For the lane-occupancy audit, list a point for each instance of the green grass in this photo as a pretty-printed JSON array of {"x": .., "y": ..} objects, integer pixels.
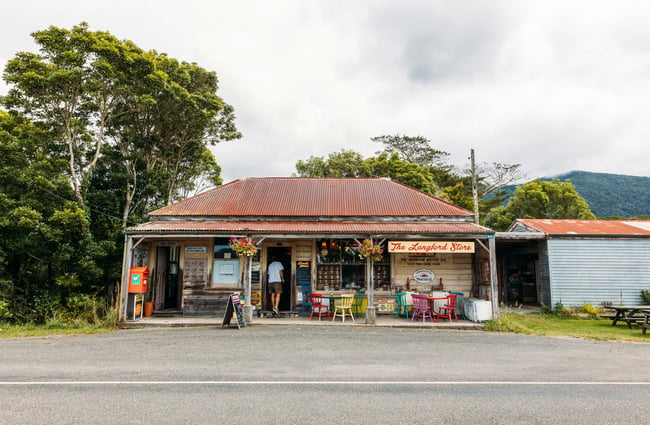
[
  {"x": 552, "y": 325},
  {"x": 27, "y": 330}
]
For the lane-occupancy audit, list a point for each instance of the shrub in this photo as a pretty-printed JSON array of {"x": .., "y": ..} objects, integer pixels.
[
  {"x": 5, "y": 313},
  {"x": 645, "y": 295},
  {"x": 591, "y": 310}
]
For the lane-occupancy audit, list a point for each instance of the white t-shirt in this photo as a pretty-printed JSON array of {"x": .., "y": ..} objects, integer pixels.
[{"x": 274, "y": 271}]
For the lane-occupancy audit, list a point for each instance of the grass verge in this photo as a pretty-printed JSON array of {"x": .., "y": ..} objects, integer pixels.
[
  {"x": 27, "y": 330},
  {"x": 577, "y": 327}
]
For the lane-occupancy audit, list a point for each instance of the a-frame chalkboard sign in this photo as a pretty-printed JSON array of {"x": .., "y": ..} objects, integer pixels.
[{"x": 234, "y": 306}]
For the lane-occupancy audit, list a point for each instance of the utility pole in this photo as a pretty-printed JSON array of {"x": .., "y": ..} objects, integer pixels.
[{"x": 474, "y": 187}]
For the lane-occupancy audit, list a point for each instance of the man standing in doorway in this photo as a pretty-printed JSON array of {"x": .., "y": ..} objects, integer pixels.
[{"x": 276, "y": 278}]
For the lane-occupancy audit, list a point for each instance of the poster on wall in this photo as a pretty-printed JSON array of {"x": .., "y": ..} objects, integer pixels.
[{"x": 226, "y": 269}]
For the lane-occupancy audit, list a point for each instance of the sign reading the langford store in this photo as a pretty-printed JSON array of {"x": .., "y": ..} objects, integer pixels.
[{"x": 431, "y": 246}]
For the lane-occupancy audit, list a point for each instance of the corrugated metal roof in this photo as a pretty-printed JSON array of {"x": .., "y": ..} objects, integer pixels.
[
  {"x": 310, "y": 197},
  {"x": 304, "y": 227},
  {"x": 585, "y": 227}
]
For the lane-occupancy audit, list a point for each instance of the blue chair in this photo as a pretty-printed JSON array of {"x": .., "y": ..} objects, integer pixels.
[{"x": 306, "y": 300}]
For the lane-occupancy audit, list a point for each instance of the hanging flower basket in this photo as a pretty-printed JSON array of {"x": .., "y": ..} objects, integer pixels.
[
  {"x": 243, "y": 246},
  {"x": 368, "y": 250}
]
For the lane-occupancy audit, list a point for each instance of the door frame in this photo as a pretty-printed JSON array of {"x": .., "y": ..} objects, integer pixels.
[{"x": 285, "y": 255}]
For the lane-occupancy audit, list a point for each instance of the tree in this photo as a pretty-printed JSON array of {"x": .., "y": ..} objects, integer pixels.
[
  {"x": 351, "y": 164},
  {"x": 46, "y": 245},
  {"x": 418, "y": 150},
  {"x": 345, "y": 163},
  {"x": 92, "y": 90},
  {"x": 72, "y": 88},
  {"x": 541, "y": 199},
  {"x": 172, "y": 119}
]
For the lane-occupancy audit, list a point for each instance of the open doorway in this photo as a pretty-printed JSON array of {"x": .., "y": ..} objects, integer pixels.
[
  {"x": 167, "y": 278},
  {"x": 283, "y": 255}
]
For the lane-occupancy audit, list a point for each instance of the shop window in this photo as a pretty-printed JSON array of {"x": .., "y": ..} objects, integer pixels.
[{"x": 340, "y": 267}]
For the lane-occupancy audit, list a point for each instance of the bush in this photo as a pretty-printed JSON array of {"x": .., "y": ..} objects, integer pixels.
[
  {"x": 645, "y": 295},
  {"x": 591, "y": 310},
  {"x": 5, "y": 313}
]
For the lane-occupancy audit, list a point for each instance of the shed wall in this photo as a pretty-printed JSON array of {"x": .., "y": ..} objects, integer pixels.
[{"x": 598, "y": 270}]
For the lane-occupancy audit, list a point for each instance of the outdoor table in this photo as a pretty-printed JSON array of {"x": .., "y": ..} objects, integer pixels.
[
  {"x": 627, "y": 313},
  {"x": 432, "y": 302}
]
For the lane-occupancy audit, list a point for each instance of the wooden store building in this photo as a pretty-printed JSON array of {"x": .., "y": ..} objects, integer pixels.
[{"x": 313, "y": 226}]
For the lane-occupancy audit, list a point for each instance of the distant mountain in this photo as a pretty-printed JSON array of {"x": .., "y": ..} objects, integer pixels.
[{"x": 610, "y": 195}]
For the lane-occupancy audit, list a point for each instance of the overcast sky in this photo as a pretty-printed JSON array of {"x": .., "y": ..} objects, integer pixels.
[{"x": 553, "y": 85}]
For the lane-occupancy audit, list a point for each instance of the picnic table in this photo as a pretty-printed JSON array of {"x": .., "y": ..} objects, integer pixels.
[
  {"x": 645, "y": 323},
  {"x": 627, "y": 313}
]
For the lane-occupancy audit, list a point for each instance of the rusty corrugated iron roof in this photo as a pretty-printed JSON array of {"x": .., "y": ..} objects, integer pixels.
[
  {"x": 304, "y": 227},
  {"x": 312, "y": 197},
  {"x": 585, "y": 227}
]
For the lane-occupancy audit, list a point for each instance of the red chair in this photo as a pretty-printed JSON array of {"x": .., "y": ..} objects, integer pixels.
[
  {"x": 317, "y": 307},
  {"x": 421, "y": 307},
  {"x": 448, "y": 310}
]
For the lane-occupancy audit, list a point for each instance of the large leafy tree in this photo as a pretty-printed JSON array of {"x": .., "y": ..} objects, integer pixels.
[
  {"x": 120, "y": 130},
  {"x": 96, "y": 93},
  {"x": 71, "y": 87},
  {"x": 418, "y": 150},
  {"x": 541, "y": 199},
  {"x": 351, "y": 164},
  {"x": 46, "y": 246}
]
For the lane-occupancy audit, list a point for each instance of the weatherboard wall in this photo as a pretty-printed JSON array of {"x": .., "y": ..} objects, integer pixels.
[{"x": 598, "y": 270}]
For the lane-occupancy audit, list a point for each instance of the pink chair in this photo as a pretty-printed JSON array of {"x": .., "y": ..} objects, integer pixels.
[
  {"x": 448, "y": 310},
  {"x": 421, "y": 307},
  {"x": 317, "y": 307}
]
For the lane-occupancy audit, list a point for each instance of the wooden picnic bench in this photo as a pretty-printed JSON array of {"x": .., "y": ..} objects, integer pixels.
[
  {"x": 630, "y": 314},
  {"x": 645, "y": 323}
]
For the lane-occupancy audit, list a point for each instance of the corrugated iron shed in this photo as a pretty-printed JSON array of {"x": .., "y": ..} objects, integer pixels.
[{"x": 312, "y": 197}]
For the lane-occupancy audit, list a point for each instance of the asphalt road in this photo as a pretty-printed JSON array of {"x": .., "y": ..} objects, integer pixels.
[{"x": 321, "y": 375}]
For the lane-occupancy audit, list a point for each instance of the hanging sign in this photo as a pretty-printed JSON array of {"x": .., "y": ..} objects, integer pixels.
[{"x": 431, "y": 246}]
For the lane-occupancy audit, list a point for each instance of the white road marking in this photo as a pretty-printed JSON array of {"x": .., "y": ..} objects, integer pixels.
[{"x": 351, "y": 383}]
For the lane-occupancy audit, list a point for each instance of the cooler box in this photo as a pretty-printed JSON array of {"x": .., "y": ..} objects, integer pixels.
[
  {"x": 138, "y": 280},
  {"x": 477, "y": 310}
]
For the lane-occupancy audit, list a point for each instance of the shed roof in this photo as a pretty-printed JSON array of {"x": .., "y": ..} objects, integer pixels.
[
  {"x": 312, "y": 197},
  {"x": 554, "y": 227}
]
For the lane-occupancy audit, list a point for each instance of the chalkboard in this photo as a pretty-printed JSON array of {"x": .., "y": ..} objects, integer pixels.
[
  {"x": 234, "y": 306},
  {"x": 303, "y": 273},
  {"x": 255, "y": 277}
]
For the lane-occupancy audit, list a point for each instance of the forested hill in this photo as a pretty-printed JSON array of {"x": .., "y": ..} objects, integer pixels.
[{"x": 610, "y": 195}]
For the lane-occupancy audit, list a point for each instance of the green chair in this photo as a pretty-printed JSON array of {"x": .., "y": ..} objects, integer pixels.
[
  {"x": 403, "y": 308},
  {"x": 359, "y": 297}
]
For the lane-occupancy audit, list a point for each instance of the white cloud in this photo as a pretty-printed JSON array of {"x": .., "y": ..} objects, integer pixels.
[{"x": 555, "y": 86}]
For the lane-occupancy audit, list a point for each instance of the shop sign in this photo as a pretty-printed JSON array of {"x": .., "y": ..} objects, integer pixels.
[
  {"x": 431, "y": 246},
  {"x": 196, "y": 249},
  {"x": 424, "y": 276}
]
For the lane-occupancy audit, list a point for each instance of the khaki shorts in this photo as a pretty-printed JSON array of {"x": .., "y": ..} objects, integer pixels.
[{"x": 275, "y": 288}]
